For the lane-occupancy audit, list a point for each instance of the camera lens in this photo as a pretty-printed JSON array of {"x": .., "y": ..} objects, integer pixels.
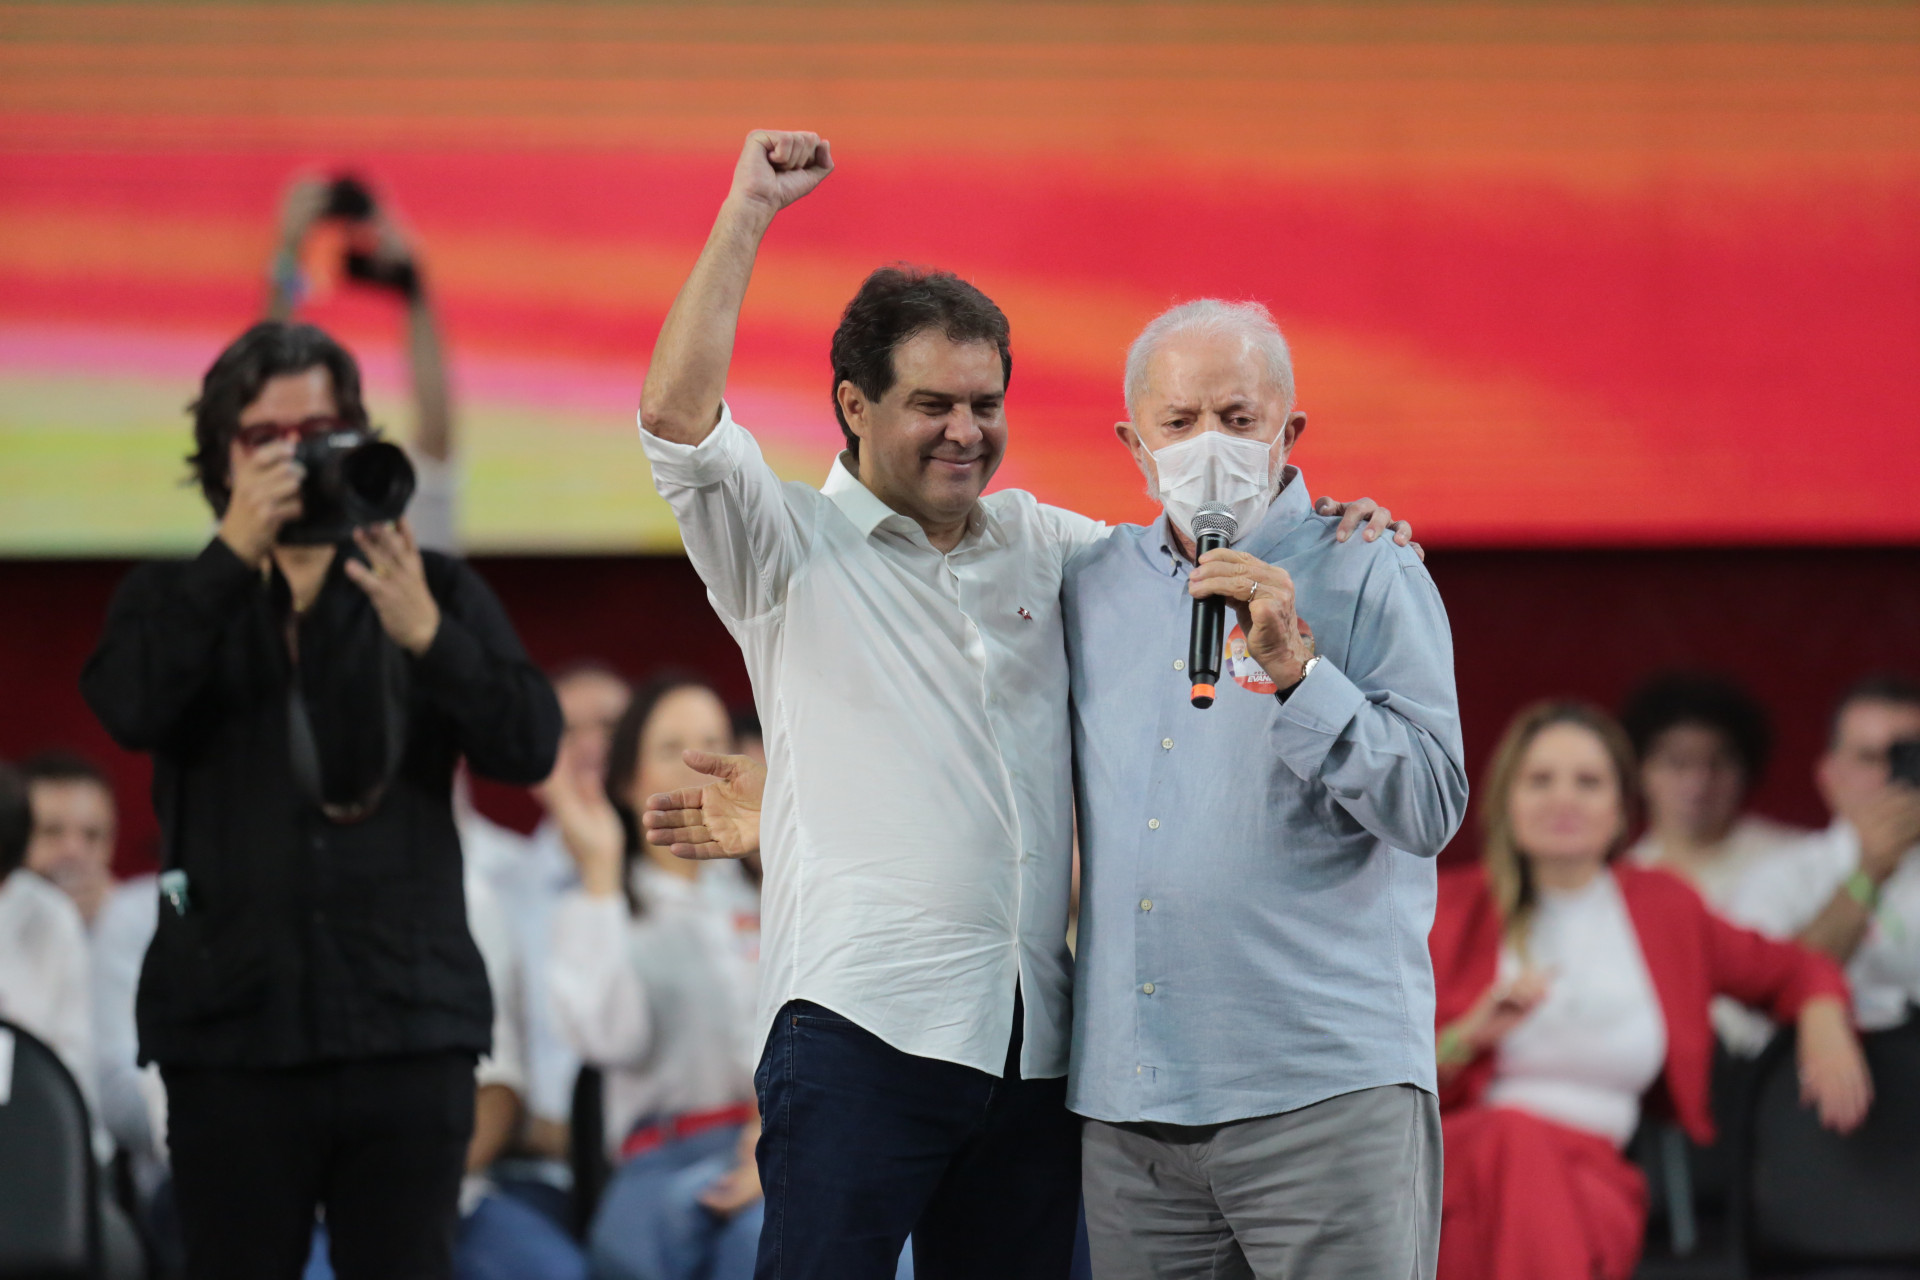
[{"x": 378, "y": 481}]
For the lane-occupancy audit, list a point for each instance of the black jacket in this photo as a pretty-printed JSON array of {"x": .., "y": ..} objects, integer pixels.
[{"x": 305, "y": 939}]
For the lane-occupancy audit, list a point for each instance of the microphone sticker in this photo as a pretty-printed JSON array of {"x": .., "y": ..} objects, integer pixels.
[{"x": 1240, "y": 664}]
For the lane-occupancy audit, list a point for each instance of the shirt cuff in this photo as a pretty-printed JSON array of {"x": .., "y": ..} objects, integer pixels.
[
  {"x": 455, "y": 659},
  {"x": 696, "y": 466},
  {"x": 1315, "y": 714}
]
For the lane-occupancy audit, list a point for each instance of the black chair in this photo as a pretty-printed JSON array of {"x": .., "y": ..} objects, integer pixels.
[
  {"x": 49, "y": 1183},
  {"x": 1808, "y": 1199},
  {"x": 587, "y": 1148}
]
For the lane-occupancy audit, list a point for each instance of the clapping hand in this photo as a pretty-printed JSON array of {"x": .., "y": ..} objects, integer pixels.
[
  {"x": 719, "y": 820},
  {"x": 589, "y": 828}
]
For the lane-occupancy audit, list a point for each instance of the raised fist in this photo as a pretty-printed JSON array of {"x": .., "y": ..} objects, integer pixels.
[{"x": 776, "y": 168}]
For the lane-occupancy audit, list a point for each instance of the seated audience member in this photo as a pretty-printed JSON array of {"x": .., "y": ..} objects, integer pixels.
[
  {"x": 1853, "y": 890},
  {"x": 44, "y": 987},
  {"x": 502, "y": 1237},
  {"x": 1703, "y": 744},
  {"x": 654, "y": 986},
  {"x": 44, "y": 971},
  {"x": 1569, "y": 984},
  {"x": 75, "y": 821},
  {"x": 530, "y": 875}
]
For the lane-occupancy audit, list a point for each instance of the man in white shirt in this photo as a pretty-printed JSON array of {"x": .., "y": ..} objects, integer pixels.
[
  {"x": 529, "y": 875},
  {"x": 75, "y": 825},
  {"x": 1702, "y": 743},
  {"x": 905, "y": 640},
  {"x": 1853, "y": 890},
  {"x": 43, "y": 947}
]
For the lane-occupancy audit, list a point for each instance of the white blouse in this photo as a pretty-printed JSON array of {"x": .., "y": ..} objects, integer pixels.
[
  {"x": 661, "y": 1002},
  {"x": 45, "y": 982},
  {"x": 1597, "y": 1041}
]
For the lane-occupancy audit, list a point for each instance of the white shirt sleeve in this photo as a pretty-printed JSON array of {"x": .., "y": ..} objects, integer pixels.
[
  {"x": 435, "y": 506},
  {"x": 493, "y": 935},
  {"x": 740, "y": 534},
  {"x": 120, "y": 936},
  {"x": 67, "y": 971},
  {"x": 598, "y": 996},
  {"x": 1072, "y": 532},
  {"x": 1781, "y": 896}
]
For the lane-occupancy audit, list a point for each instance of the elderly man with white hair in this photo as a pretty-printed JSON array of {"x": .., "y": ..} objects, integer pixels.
[{"x": 1253, "y": 1008}]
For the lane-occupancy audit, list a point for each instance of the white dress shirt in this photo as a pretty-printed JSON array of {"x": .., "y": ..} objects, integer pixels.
[
  {"x": 662, "y": 1001},
  {"x": 1597, "y": 1041},
  {"x": 1783, "y": 897},
  {"x": 1752, "y": 843},
  {"x": 44, "y": 973},
  {"x": 529, "y": 875},
  {"x": 132, "y": 1101},
  {"x": 917, "y": 830},
  {"x": 492, "y": 930}
]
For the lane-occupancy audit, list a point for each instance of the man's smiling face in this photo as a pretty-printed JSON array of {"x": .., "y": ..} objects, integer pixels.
[{"x": 929, "y": 446}]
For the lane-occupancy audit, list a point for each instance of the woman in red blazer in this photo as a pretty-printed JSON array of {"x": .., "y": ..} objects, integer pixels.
[{"x": 1571, "y": 988}]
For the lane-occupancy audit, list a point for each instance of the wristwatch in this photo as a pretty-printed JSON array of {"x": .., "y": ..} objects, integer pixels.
[{"x": 1306, "y": 670}]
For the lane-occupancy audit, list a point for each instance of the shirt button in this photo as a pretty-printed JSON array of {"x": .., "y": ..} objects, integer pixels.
[
  {"x": 1148, "y": 988},
  {"x": 1146, "y": 904},
  {"x": 1166, "y": 744},
  {"x": 1153, "y": 824},
  {"x": 1179, "y": 664}
]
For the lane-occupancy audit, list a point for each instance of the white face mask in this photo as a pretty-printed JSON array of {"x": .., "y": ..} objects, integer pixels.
[{"x": 1215, "y": 466}]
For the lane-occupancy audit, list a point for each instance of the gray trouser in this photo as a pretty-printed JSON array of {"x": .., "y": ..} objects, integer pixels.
[{"x": 1346, "y": 1189}]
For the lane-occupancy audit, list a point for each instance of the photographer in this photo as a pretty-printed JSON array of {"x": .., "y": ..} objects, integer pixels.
[
  {"x": 307, "y": 685},
  {"x": 379, "y": 254}
]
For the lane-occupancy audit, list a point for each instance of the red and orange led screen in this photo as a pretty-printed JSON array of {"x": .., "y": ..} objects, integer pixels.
[{"x": 1552, "y": 273}]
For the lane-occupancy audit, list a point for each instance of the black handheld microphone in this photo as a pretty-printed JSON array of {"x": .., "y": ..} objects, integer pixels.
[{"x": 1213, "y": 526}]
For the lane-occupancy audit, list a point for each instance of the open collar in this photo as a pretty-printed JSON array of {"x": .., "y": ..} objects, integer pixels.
[{"x": 866, "y": 512}]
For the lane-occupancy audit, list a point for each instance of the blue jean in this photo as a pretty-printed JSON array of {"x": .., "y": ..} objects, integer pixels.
[
  {"x": 506, "y": 1239},
  {"x": 502, "y": 1239},
  {"x": 651, "y": 1225},
  {"x": 863, "y": 1145}
]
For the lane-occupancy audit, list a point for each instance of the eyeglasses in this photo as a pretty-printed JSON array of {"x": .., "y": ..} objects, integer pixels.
[{"x": 265, "y": 433}]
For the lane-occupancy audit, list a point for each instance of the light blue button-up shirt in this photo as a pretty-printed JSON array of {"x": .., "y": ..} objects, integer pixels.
[{"x": 1257, "y": 878}]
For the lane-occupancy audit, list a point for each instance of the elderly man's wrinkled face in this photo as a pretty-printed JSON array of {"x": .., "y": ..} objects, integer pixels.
[{"x": 1207, "y": 382}]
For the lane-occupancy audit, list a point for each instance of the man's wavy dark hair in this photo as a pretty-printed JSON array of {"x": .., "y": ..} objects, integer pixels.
[
  {"x": 267, "y": 350},
  {"x": 893, "y": 304}
]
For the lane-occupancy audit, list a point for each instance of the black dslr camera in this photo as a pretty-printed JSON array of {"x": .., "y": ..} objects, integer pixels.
[{"x": 353, "y": 478}]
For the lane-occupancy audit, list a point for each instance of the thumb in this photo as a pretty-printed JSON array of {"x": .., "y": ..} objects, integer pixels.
[{"x": 725, "y": 768}]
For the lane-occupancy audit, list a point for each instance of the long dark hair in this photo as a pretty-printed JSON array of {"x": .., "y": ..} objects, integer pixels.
[{"x": 623, "y": 765}]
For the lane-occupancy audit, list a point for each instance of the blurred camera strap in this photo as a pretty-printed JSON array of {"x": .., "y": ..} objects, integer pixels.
[{"x": 303, "y": 748}]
